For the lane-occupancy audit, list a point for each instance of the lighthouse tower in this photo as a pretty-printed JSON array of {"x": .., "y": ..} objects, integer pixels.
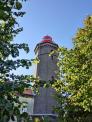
[{"x": 46, "y": 71}]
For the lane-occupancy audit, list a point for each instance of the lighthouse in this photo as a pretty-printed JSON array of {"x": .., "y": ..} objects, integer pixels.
[{"x": 46, "y": 71}]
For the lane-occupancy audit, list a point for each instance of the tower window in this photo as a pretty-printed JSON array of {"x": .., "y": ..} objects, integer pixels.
[
  {"x": 52, "y": 57},
  {"x": 51, "y": 50},
  {"x": 52, "y": 78}
]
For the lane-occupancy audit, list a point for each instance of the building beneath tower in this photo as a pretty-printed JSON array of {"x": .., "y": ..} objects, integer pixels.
[{"x": 46, "y": 71}]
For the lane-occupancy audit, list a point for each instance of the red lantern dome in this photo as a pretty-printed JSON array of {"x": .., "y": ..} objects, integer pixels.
[{"x": 47, "y": 39}]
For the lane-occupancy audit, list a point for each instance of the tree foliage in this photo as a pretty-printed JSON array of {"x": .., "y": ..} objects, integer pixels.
[
  {"x": 74, "y": 86},
  {"x": 10, "y": 84}
]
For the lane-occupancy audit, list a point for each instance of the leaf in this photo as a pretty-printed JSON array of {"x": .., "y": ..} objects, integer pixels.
[{"x": 18, "y": 5}]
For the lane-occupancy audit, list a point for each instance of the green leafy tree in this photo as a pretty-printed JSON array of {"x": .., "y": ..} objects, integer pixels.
[
  {"x": 74, "y": 86},
  {"x": 11, "y": 85}
]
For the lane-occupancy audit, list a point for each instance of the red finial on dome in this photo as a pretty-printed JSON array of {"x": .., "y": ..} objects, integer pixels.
[{"x": 47, "y": 39}]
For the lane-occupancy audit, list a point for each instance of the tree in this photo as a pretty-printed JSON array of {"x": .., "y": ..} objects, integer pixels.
[
  {"x": 74, "y": 85},
  {"x": 10, "y": 84}
]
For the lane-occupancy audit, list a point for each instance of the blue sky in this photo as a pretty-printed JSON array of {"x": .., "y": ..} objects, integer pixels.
[{"x": 57, "y": 18}]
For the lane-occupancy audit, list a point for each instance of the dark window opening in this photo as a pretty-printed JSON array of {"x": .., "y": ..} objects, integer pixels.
[
  {"x": 51, "y": 50},
  {"x": 52, "y": 57},
  {"x": 52, "y": 77}
]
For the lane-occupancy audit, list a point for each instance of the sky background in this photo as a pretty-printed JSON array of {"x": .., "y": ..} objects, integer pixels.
[{"x": 58, "y": 18}]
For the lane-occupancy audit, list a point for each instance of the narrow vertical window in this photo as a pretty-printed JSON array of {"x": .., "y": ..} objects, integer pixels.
[
  {"x": 52, "y": 57},
  {"x": 52, "y": 78}
]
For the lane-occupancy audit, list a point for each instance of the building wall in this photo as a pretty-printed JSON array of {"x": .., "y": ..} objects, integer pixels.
[
  {"x": 29, "y": 104},
  {"x": 44, "y": 102},
  {"x": 48, "y": 64},
  {"x": 46, "y": 70}
]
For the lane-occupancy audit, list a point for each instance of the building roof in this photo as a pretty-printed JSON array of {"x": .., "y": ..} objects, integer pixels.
[
  {"x": 47, "y": 39},
  {"x": 28, "y": 91}
]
